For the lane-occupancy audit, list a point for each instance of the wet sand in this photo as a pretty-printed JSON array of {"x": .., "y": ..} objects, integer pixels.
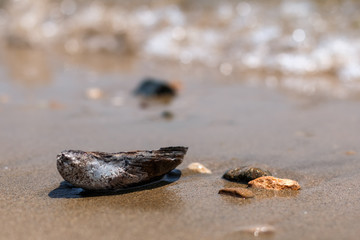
[{"x": 225, "y": 124}]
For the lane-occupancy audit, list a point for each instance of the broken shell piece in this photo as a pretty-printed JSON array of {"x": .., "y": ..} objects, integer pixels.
[
  {"x": 258, "y": 230},
  {"x": 94, "y": 93},
  {"x": 114, "y": 171},
  {"x": 349, "y": 153},
  {"x": 273, "y": 183},
  {"x": 237, "y": 192},
  {"x": 198, "y": 167}
]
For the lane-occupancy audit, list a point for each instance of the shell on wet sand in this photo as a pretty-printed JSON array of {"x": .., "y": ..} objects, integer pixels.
[{"x": 115, "y": 171}]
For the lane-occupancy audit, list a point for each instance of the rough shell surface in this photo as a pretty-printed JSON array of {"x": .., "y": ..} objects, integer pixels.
[
  {"x": 245, "y": 174},
  {"x": 237, "y": 192},
  {"x": 113, "y": 171},
  {"x": 273, "y": 183},
  {"x": 198, "y": 167}
]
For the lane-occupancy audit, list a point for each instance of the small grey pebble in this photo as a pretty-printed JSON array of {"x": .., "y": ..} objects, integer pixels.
[{"x": 245, "y": 174}]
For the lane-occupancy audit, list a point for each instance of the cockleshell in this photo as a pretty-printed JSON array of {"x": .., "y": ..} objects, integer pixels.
[{"x": 113, "y": 171}]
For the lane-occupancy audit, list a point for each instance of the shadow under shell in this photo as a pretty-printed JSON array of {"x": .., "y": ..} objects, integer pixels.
[{"x": 67, "y": 190}]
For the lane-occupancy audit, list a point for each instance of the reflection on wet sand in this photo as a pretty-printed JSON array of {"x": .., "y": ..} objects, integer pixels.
[
  {"x": 148, "y": 197},
  {"x": 157, "y": 199},
  {"x": 27, "y": 66}
]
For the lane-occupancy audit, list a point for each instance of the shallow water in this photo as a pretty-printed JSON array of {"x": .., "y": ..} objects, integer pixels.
[{"x": 307, "y": 47}]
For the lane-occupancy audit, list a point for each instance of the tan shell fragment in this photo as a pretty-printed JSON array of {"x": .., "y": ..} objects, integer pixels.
[
  {"x": 94, "y": 93},
  {"x": 198, "y": 167},
  {"x": 273, "y": 183}
]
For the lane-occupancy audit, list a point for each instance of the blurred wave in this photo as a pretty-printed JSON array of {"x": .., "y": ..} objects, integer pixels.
[{"x": 305, "y": 46}]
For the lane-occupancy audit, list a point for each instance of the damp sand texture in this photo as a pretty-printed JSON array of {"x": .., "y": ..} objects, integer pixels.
[{"x": 33, "y": 206}]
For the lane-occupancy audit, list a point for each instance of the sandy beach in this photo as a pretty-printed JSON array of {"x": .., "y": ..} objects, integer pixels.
[{"x": 224, "y": 123}]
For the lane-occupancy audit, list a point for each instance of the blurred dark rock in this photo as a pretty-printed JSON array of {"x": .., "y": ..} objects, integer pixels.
[{"x": 151, "y": 87}]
